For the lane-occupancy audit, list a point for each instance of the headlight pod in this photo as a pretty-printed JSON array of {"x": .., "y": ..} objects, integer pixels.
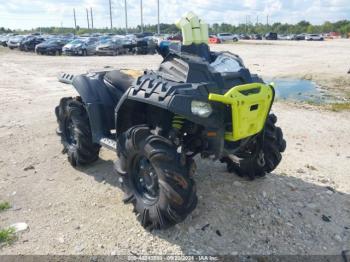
[{"x": 201, "y": 109}]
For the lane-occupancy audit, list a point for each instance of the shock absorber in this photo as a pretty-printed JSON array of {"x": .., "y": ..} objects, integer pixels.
[{"x": 178, "y": 122}]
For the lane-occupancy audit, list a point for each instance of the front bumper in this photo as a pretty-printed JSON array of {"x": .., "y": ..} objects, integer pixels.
[
  {"x": 72, "y": 52},
  {"x": 45, "y": 50},
  {"x": 105, "y": 51},
  {"x": 250, "y": 105},
  {"x": 11, "y": 45}
]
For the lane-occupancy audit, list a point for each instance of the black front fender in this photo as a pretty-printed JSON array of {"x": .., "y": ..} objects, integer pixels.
[{"x": 99, "y": 101}]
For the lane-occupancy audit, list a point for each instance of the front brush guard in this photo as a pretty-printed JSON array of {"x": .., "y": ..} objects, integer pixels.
[{"x": 250, "y": 105}]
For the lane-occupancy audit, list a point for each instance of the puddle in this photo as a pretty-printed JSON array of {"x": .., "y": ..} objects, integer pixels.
[{"x": 299, "y": 90}]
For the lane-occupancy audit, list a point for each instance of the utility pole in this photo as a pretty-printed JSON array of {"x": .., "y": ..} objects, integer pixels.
[
  {"x": 257, "y": 19},
  {"x": 267, "y": 23},
  {"x": 75, "y": 20},
  {"x": 110, "y": 13},
  {"x": 87, "y": 17},
  {"x": 158, "y": 27},
  {"x": 92, "y": 18},
  {"x": 141, "y": 16},
  {"x": 126, "y": 17}
]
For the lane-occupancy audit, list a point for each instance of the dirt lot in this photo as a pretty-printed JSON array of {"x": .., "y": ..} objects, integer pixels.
[{"x": 302, "y": 208}]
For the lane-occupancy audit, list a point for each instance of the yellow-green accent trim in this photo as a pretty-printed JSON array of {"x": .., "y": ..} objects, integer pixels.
[{"x": 249, "y": 109}]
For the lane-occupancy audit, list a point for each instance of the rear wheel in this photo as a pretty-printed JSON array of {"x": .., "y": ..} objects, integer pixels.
[
  {"x": 154, "y": 178},
  {"x": 264, "y": 161},
  {"x": 75, "y": 132}
]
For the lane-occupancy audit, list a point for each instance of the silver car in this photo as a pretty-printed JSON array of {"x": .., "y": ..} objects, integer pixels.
[
  {"x": 14, "y": 42},
  {"x": 81, "y": 46},
  {"x": 314, "y": 37},
  {"x": 227, "y": 37},
  {"x": 111, "y": 46}
]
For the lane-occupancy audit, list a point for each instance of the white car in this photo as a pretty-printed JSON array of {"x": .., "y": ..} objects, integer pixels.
[
  {"x": 313, "y": 37},
  {"x": 227, "y": 37}
]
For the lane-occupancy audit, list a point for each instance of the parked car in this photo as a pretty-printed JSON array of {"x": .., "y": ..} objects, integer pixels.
[
  {"x": 81, "y": 46},
  {"x": 298, "y": 37},
  {"x": 177, "y": 37},
  {"x": 29, "y": 43},
  {"x": 111, "y": 46},
  {"x": 244, "y": 37},
  {"x": 213, "y": 39},
  {"x": 51, "y": 47},
  {"x": 227, "y": 37},
  {"x": 314, "y": 37},
  {"x": 145, "y": 46},
  {"x": 283, "y": 37},
  {"x": 15, "y": 41},
  {"x": 3, "y": 40},
  {"x": 129, "y": 44},
  {"x": 256, "y": 37},
  {"x": 144, "y": 34},
  {"x": 271, "y": 36}
]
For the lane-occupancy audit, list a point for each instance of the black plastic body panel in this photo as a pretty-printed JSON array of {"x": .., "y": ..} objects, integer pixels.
[
  {"x": 101, "y": 100},
  {"x": 175, "y": 97}
]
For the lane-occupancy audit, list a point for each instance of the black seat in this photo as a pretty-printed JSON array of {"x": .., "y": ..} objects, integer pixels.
[{"x": 119, "y": 80}]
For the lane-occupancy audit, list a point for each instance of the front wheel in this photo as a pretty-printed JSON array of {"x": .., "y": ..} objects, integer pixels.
[
  {"x": 75, "y": 132},
  {"x": 155, "y": 178},
  {"x": 262, "y": 161}
]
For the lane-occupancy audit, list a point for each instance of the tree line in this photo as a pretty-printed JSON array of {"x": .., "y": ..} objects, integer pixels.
[{"x": 342, "y": 27}]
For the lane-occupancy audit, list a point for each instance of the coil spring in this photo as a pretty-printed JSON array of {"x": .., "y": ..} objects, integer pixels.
[{"x": 178, "y": 122}]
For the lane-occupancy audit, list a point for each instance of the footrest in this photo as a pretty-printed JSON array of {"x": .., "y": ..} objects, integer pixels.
[
  {"x": 106, "y": 142},
  {"x": 66, "y": 78}
]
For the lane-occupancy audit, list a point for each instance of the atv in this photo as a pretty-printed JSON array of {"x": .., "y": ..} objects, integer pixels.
[{"x": 197, "y": 103}]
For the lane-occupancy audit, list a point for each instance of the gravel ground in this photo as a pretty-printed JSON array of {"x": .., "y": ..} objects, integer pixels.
[{"x": 302, "y": 208}]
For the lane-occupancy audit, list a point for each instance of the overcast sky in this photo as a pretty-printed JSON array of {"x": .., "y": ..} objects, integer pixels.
[{"x": 26, "y": 14}]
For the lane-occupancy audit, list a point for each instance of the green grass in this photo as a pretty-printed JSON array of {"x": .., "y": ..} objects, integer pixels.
[
  {"x": 4, "y": 206},
  {"x": 313, "y": 103},
  {"x": 340, "y": 107},
  {"x": 7, "y": 236}
]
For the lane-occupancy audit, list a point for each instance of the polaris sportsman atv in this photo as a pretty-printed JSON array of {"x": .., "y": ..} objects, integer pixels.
[{"x": 197, "y": 103}]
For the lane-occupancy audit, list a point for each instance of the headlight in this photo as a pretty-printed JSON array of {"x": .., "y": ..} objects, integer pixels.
[{"x": 201, "y": 109}]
